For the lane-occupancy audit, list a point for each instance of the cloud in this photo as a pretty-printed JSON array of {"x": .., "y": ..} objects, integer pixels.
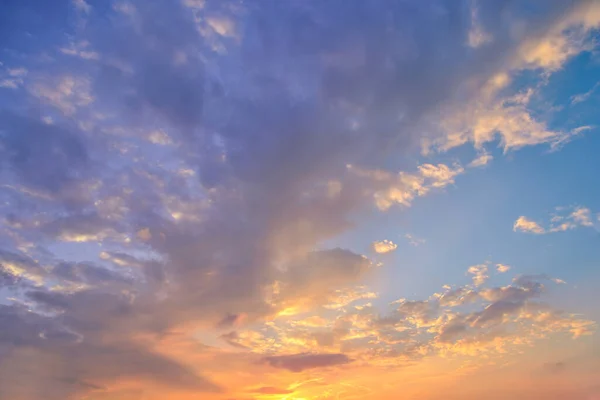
[
  {"x": 132, "y": 235},
  {"x": 502, "y": 268},
  {"x": 580, "y": 98},
  {"x": 384, "y": 246},
  {"x": 389, "y": 189},
  {"x": 82, "y": 6},
  {"x": 18, "y": 266},
  {"x": 68, "y": 94},
  {"x": 470, "y": 321},
  {"x": 47, "y": 157},
  {"x": 479, "y": 273},
  {"x": 560, "y": 222},
  {"x": 491, "y": 112},
  {"x": 304, "y": 361},
  {"x": 481, "y": 160},
  {"x": 523, "y": 224}
]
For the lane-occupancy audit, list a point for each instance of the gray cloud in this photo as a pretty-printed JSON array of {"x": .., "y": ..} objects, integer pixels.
[
  {"x": 304, "y": 361},
  {"x": 45, "y": 156}
]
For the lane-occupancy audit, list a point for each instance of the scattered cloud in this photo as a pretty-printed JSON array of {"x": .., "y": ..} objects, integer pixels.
[
  {"x": 479, "y": 273},
  {"x": 502, "y": 268},
  {"x": 522, "y": 224},
  {"x": 384, "y": 246},
  {"x": 561, "y": 221}
]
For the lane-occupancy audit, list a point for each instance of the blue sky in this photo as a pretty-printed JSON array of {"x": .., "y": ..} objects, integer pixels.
[{"x": 263, "y": 200}]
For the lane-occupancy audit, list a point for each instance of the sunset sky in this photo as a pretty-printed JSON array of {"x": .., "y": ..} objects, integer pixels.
[{"x": 299, "y": 200}]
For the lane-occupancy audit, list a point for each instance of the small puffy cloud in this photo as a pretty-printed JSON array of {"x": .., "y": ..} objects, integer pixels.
[
  {"x": 502, "y": 268},
  {"x": 304, "y": 361},
  {"x": 384, "y": 246},
  {"x": 560, "y": 221},
  {"x": 523, "y": 224},
  {"x": 479, "y": 273},
  {"x": 582, "y": 216}
]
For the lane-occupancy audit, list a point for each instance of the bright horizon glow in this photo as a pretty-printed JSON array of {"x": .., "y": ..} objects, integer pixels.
[{"x": 299, "y": 200}]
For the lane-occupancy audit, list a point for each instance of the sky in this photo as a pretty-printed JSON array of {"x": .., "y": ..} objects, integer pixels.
[{"x": 299, "y": 200}]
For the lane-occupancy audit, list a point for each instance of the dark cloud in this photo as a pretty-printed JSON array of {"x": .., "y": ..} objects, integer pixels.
[
  {"x": 304, "y": 361},
  {"x": 88, "y": 273},
  {"x": 232, "y": 339},
  {"x": 45, "y": 156},
  {"x": 86, "y": 321}
]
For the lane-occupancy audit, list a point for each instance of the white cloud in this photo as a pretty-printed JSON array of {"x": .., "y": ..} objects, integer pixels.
[
  {"x": 222, "y": 26},
  {"x": 401, "y": 188},
  {"x": 479, "y": 273},
  {"x": 491, "y": 114},
  {"x": 384, "y": 246},
  {"x": 502, "y": 268},
  {"x": 579, "y": 216},
  {"x": 523, "y": 224},
  {"x": 481, "y": 160},
  {"x": 582, "y": 216}
]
